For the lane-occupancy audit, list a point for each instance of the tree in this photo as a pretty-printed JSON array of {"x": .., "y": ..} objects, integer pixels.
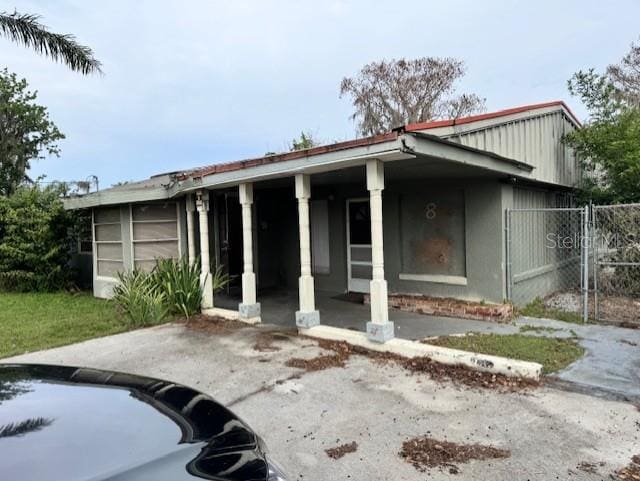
[
  {"x": 26, "y": 133},
  {"x": 625, "y": 76},
  {"x": 305, "y": 141},
  {"x": 393, "y": 93},
  {"x": 34, "y": 240},
  {"x": 609, "y": 142},
  {"x": 25, "y": 29}
]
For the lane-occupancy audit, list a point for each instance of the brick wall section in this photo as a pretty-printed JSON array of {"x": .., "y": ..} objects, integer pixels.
[{"x": 448, "y": 307}]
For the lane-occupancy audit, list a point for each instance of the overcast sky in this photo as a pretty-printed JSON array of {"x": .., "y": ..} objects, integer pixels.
[{"x": 192, "y": 83}]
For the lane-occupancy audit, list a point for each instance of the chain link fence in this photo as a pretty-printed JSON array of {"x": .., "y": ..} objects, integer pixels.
[
  {"x": 616, "y": 263},
  {"x": 545, "y": 257}
]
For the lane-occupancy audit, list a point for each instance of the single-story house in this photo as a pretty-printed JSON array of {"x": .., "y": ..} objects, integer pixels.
[{"x": 419, "y": 210}]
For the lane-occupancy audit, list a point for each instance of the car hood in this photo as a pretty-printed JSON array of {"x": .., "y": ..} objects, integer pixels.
[{"x": 78, "y": 424}]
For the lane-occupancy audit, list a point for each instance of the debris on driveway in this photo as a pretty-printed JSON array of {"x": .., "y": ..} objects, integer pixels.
[
  {"x": 425, "y": 452},
  {"x": 339, "y": 451},
  {"x": 589, "y": 467},
  {"x": 457, "y": 374},
  {"x": 630, "y": 472},
  {"x": 214, "y": 325},
  {"x": 266, "y": 339}
]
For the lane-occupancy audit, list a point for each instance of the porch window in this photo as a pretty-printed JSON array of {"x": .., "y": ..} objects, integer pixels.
[
  {"x": 432, "y": 233},
  {"x": 107, "y": 236},
  {"x": 154, "y": 233}
]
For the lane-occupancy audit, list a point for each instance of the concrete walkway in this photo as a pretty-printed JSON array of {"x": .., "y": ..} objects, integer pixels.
[{"x": 611, "y": 366}]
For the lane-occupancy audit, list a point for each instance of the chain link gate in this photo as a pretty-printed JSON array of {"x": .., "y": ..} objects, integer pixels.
[
  {"x": 616, "y": 263},
  {"x": 547, "y": 257}
]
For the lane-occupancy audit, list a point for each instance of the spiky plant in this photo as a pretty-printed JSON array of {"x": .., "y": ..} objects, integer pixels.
[{"x": 25, "y": 29}]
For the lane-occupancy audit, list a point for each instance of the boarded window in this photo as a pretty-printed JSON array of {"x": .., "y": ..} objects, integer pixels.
[
  {"x": 107, "y": 233},
  {"x": 432, "y": 228},
  {"x": 154, "y": 230},
  {"x": 320, "y": 236}
]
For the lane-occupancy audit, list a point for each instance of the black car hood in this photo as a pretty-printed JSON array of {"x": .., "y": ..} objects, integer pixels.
[{"x": 77, "y": 424}]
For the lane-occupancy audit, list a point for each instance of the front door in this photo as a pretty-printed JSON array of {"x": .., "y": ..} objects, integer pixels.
[{"x": 359, "y": 266}]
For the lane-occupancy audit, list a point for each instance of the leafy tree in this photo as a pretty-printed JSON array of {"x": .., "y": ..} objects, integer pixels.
[
  {"x": 305, "y": 141},
  {"x": 26, "y": 132},
  {"x": 26, "y": 29},
  {"x": 34, "y": 247},
  {"x": 389, "y": 94},
  {"x": 609, "y": 143}
]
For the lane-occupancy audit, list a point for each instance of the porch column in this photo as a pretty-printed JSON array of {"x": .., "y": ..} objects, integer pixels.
[
  {"x": 202, "y": 204},
  {"x": 379, "y": 329},
  {"x": 307, "y": 316},
  {"x": 249, "y": 308},
  {"x": 191, "y": 239}
]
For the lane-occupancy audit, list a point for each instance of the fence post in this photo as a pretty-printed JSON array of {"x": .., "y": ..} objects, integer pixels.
[
  {"x": 507, "y": 228},
  {"x": 585, "y": 268},
  {"x": 594, "y": 226}
]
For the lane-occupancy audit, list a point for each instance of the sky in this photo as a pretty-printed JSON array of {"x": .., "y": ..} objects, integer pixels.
[{"x": 198, "y": 82}]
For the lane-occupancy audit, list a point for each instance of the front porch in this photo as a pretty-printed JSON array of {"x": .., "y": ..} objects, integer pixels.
[{"x": 278, "y": 307}]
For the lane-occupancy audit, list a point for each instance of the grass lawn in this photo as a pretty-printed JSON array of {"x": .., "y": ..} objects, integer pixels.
[
  {"x": 35, "y": 321},
  {"x": 553, "y": 354},
  {"x": 536, "y": 308}
]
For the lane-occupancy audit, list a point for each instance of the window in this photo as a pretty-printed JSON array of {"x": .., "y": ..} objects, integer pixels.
[
  {"x": 108, "y": 239},
  {"x": 154, "y": 231}
]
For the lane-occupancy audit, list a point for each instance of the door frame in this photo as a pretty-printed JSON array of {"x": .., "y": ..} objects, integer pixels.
[{"x": 356, "y": 284}]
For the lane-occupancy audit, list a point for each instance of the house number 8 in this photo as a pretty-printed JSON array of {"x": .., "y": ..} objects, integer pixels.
[{"x": 430, "y": 212}]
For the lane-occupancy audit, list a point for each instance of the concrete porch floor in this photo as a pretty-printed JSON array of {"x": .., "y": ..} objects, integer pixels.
[{"x": 278, "y": 307}]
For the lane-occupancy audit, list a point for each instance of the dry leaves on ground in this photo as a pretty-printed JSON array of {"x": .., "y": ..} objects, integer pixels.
[
  {"x": 438, "y": 372},
  {"x": 630, "y": 472},
  {"x": 214, "y": 325},
  {"x": 339, "y": 451},
  {"x": 425, "y": 452}
]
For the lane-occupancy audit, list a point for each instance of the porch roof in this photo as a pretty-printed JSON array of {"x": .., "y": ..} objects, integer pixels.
[{"x": 393, "y": 146}]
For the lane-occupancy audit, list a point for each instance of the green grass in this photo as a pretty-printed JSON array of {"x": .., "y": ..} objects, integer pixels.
[
  {"x": 35, "y": 321},
  {"x": 536, "y": 308},
  {"x": 553, "y": 354}
]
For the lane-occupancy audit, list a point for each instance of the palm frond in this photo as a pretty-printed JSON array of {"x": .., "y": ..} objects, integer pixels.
[
  {"x": 26, "y": 29},
  {"x": 24, "y": 427}
]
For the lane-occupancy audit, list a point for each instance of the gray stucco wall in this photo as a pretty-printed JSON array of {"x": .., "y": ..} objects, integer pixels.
[{"x": 484, "y": 265}]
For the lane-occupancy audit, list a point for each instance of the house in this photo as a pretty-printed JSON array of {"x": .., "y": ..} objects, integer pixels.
[{"x": 419, "y": 210}]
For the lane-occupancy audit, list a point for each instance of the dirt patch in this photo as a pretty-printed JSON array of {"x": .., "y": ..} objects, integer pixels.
[
  {"x": 425, "y": 452},
  {"x": 266, "y": 339},
  {"x": 214, "y": 325},
  {"x": 339, "y": 451},
  {"x": 630, "y": 343},
  {"x": 457, "y": 374},
  {"x": 630, "y": 472},
  {"x": 620, "y": 310}
]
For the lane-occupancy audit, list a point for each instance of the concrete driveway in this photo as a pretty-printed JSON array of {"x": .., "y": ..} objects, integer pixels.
[{"x": 551, "y": 433}]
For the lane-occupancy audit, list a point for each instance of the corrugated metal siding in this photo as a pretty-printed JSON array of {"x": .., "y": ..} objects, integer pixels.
[{"x": 536, "y": 140}]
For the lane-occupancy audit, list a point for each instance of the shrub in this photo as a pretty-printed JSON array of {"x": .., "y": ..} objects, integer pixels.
[
  {"x": 138, "y": 298},
  {"x": 219, "y": 279},
  {"x": 180, "y": 283},
  {"x": 34, "y": 248}
]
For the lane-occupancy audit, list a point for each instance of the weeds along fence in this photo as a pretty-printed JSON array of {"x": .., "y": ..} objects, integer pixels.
[{"x": 582, "y": 260}]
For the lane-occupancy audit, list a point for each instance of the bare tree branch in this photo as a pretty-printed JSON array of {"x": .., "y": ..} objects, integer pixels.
[{"x": 389, "y": 94}]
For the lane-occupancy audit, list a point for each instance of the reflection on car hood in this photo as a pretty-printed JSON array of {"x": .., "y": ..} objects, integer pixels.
[{"x": 71, "y": 424}]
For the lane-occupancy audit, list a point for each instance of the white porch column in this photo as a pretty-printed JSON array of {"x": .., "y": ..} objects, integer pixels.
[
  {"x": 307, "y": 316},
  {"x": 191, "y": 239},
  {"x": 379, "y": 329},
  {"x": 249, "y": 308},
  {"x": 202, "y": 204}
]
